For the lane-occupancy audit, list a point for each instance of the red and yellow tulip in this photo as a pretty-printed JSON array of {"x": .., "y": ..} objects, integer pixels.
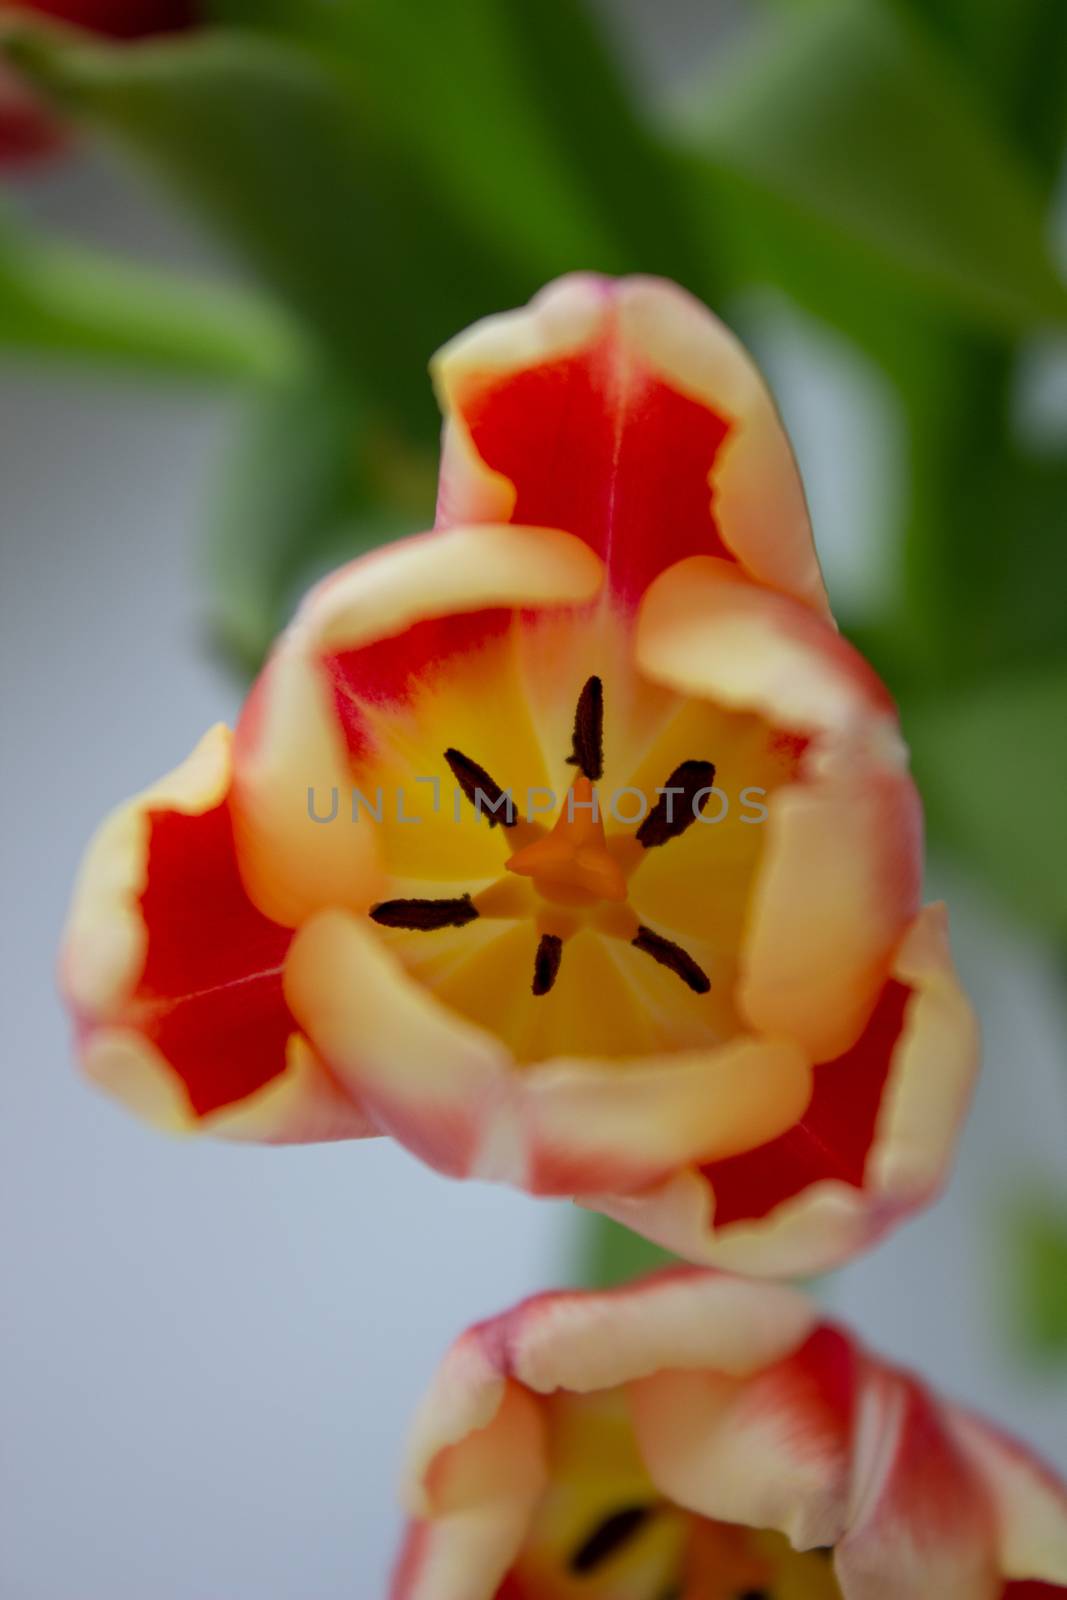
[
  {"x": 568, "y": 843},
  {"x": 703, "y": 1437}
]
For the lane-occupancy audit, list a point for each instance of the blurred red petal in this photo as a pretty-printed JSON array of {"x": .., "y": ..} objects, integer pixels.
[
  {"x": 832, "y": 1139},
  {"x": 123, "y": 19}
]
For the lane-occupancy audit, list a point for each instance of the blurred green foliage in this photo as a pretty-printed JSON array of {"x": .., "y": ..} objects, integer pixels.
[
  {"x": 1036, "y": 1239},
  {"x": 388, "y": 172}
]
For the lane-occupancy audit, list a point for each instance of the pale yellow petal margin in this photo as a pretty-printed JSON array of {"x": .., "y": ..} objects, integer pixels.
[
  {"x": 452, "y": 1092},
  {"x": 758, "y": 497},
  {"x": 682, "y": 1319},
  {"x": 103, "y": 949},
  {"x": 841, "y": 870},
  {"x": 303, "y": 1105},
  {"x": 103, "y": 956},
  {"x": 923, "y": 1108},
  {"x": 476, "y": 1460},
  {"x": 624, "y": 1120},
  {"x": 290, "y": 740},
  {"x": 1030, "y": 1502},
  {"x": 476, "y": 1470}
]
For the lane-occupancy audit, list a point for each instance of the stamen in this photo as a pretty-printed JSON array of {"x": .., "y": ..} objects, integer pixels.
[
  {"x": 481, "y": 790},
  {"x": 671, "y": 955},
  {"x": 609, "y": 1537},
  {"x": 546, "y": 962},
  {"x": 672, "y": 814},
  {"x": 587, "y": 745},
  {"x": 425, "y": 915}
]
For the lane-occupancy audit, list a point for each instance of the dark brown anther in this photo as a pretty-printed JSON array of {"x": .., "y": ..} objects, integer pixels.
[
  {"x": 671, "y": 955},
  {"x": 424, "y": 916},
  {"x": 546, "y": 962},
  {"x": 484, "y": 794},
  {"x": 609, "y": 1537},
  {"x": 587, "y": 746},
  {"x": 672, "y": 814}
]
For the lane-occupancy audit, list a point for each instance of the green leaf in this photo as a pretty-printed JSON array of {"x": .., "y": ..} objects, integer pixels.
[
  {"x": 60, "y": 299},
  {"x": 609, "y": 1254},
  {"x": 844, "y": 117},
  {"x": 1017, "y": 56},
  {"x": 569, "y": 176},
  {"x": 271, "y": 142},
  {"x": 992, "y": 767},
  {"x": 310, "y": 481},
  {"x": 1037, "y": 1271}
]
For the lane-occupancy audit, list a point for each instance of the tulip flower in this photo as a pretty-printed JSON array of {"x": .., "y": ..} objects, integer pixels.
[
  {"x": 28, "y": 131},
  {"x": 702, "y": 1437},
  {"x": 124, "y": 19},
  {"x": 568, "y": 843}
]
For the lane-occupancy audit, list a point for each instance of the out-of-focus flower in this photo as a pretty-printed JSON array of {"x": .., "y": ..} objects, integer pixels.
[
  {"x": 28, "y": 131},
  {"x": 124, "y": 19},
  {"x": 701, "y": 1437},
  {"x": 596, "y": 839}
]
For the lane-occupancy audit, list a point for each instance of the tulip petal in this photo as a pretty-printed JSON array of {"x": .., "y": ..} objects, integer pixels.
[
  {"x": 175, "y": 978},
  {"x": 452, "y": 1093},
  {"x": 770, "y": 1452},
  {"x": 625, "y": 413},
  {"x": 361, "y": 645},
  {"x": 1030, "y": 1503},
  {"x": 625, "y": 1124},
  {"x": 873, "y": 1145},
  {"x": 123, "y": 19},
  {"x": 477, "y": 1492},
  {"x": 434, "y": 1080},
  {"x": 841, "y": 871},
  {"x": 920, "y": 1521}
]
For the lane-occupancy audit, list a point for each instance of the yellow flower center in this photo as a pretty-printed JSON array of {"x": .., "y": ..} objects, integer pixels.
[
  {"x": 604, "y": 1532},
  {"x": 527, "y": 875}
]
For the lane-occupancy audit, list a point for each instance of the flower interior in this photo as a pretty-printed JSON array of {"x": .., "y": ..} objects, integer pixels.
[
  {"x": 533, "y": 856},
  {"x": 604, "y": 1532}
]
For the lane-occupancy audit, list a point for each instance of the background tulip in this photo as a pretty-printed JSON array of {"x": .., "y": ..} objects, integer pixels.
[
  {"x": 28, "y": 132},
  {"x": 124, "y": 19},
  {"x": 700, "y": 1435}
]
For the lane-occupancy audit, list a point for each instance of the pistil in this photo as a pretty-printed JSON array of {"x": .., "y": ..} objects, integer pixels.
[{"x": 574, "y": 866}]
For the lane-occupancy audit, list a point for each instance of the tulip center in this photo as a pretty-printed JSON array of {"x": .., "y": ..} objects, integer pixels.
[
  {"x": 579, "y": 876},
  {"x": 573, "y": 865},
  {"x": 603, "y": 1530}
]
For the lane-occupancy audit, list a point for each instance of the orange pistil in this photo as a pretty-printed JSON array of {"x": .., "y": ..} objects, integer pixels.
[{"x": 572, "y": 865}]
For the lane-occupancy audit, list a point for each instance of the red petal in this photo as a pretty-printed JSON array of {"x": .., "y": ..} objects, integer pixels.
[
  {"x": 621, "y": 461},
  {"x": 389, "y": 671},
  {"x": 210, "y": 995},
  {"x": 923, "y": 1521},
  {"x": 835, "y": 1135},
  {"x": 27, "y": 132},
  {"x": 125, "y": 19}
]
